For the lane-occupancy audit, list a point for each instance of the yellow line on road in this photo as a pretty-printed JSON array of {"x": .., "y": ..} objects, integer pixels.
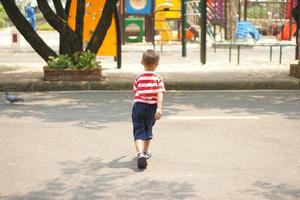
[{"x": 212, "y": 117}]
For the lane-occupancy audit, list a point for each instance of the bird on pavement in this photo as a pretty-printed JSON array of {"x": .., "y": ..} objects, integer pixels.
[{"x": 12, "y": 99}]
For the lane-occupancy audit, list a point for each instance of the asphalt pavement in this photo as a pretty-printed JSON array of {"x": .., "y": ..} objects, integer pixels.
[{"x": 209, "y": 145}]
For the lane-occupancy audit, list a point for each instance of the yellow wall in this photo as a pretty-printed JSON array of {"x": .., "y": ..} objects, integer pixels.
[{"x": 93, "y": 12}]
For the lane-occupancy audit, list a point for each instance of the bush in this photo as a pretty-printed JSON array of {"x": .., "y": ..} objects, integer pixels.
[
  {"x": 44, "y": 27},
  {"x": 85, "y": 59},
  {"x": 257, "y": 12},
  {"x": 79, "y": 60},
  {"x": 2, "y": 23},
  {"x": 60, "y": 62},
  {"x": 3, "y": 17}
]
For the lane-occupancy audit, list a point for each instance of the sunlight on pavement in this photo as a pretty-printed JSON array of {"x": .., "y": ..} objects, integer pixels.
[{"x": 213, "y": 117}]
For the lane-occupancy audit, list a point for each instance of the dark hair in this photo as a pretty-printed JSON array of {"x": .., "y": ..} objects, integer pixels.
[{"x": 150, "y": 57}]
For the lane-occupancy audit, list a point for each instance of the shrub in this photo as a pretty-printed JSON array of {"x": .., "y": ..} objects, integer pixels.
[
  {"x": 79, "y": 60},
  {"x": 60, "y": 62},
  {"x": 2, "y": 23},
  {"x": 3, "y": 17},
  {"x": 44, "y": 27},
  {"x": 85, "y": 59}
]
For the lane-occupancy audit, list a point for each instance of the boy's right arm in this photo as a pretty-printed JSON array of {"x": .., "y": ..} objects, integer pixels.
[{"x": 158, "y": 113}]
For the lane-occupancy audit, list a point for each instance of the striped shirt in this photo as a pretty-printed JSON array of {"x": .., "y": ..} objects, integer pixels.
[{"x": 146, "y": 86}]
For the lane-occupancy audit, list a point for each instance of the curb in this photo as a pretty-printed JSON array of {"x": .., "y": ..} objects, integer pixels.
[{"x": 42, "y": 86}]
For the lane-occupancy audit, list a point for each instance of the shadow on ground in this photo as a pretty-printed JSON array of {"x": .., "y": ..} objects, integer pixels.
[
  {"x": 93, "y": 109},
  {"x": 88, "y": 179},
  {"x": 271, "y": 191}
]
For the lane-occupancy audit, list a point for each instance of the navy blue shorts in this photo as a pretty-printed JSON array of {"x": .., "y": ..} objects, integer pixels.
[{"x": 143, "y": 120}]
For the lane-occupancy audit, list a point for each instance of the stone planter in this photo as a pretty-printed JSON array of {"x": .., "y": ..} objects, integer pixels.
[
  {"x": 72, "y": 74},
  {"x": 295, "y": 70}
]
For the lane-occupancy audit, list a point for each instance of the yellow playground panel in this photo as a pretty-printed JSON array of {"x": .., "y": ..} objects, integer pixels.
[
  {"x": 175, "y": 8},
  {"x": 93, "y": 12}
]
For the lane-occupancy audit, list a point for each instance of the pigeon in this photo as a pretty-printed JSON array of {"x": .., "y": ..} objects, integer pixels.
[{"x": 12, "y": 98}]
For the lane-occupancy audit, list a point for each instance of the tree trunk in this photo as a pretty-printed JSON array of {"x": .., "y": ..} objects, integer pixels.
[
  {"x": 80, "y": 20},
  {"x": 102, "y": 27},
  {"x": 26, "y": 30},
  {"x": 232, "y": 10},
  {"x": 64, "y": 47},
  {"x": 61, "y": 26},
  {"x": 296, "y": 15},
  {"x": 70, "y": 41}
]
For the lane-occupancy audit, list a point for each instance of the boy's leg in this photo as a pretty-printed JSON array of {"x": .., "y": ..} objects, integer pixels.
[
  {"x": 139, "y": 145},
  {"x": 141, "y": 159},
  {"x": 146, "y": 149},
  {"x": 146, "y": 145}
]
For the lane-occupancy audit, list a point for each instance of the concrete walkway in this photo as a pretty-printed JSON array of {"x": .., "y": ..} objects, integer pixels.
[{"x": 21, "y": 69}]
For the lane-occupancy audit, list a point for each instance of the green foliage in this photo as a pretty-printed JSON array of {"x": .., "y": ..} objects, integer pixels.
[
  {"x": 44, "y": 27},
  {"x": 3, "y": 17},
  {"x": 85, "y": 59},
  {"x": 2, "y": 23},
  {"x": 79, "y": 60},
  {"x": 60, "y": 62},
  {"x": 257, "y": 12}
]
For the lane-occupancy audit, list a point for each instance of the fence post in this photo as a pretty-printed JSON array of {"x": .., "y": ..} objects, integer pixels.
[
  {"x": 183, "y": 27},
  {"x": 203, "y": 8}
]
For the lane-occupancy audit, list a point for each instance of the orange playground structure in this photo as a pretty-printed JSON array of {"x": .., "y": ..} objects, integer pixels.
[{"x": 112, "y": 43}]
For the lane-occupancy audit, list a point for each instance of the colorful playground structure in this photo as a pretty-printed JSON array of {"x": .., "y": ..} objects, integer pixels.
[
  {"x": 163, "y": 21},
  {"x": 154, "y": 16}
]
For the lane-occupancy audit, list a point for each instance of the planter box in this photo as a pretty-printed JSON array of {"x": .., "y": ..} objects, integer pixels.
[
  {"x": 295, "y": 70},
  {"x": 72, "y": 74}
]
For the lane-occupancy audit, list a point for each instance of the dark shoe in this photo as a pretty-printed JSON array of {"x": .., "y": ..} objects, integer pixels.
[{"x": 141, "y": 161}]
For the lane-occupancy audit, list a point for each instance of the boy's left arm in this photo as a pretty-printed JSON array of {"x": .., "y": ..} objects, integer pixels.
[{"x": 160, "y": 98}]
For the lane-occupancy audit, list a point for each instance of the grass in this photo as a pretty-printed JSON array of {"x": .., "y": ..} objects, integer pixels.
[{"x": 44, "y": 27}]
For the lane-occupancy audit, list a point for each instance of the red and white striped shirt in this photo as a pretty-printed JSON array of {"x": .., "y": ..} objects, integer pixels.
[{"x": 146, "y": 86}]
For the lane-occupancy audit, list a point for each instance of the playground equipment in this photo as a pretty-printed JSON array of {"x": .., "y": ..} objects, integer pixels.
[
  {"x": 111, "y": 45},
  {"x": 154, "y": 18},
  {"x": 134, "y": 29},
  {"x": 269, "y": 16},
  {"x": 287, "y": 31},
  {"x": 166, "y": 12},
  {"x": 197, "y": 18},
  {"x": 138, "y": 7},
  {"x": 245, "y": 29},
  {"x": 234, "y": 20},
  {"x": 174, "y": 11},
  {"x": 161, "y": 25}
]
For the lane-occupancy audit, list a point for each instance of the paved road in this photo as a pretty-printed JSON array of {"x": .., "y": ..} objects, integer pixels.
[{"x": 209, "y": 146}]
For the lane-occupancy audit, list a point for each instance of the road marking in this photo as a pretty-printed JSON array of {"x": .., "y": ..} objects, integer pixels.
[{"x": 212, "y": 117}]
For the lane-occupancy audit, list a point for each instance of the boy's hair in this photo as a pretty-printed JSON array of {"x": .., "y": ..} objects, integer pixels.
[{"x": 150, "y": 57}]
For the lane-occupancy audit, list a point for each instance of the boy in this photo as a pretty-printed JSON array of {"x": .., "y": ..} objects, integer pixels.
[{"x": 148, "y": 91}]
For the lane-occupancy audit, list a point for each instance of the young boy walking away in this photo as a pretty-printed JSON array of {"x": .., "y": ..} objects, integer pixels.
[{"x": 148, "y": 91}]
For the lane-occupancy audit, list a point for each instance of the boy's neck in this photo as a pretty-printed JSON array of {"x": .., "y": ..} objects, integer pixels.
[{"x": 151, "y": 69}]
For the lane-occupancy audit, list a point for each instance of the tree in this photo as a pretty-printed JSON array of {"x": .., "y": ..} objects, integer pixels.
[
  {"x": 296, "y": 15},
  {"x": 71, "y": 41},
  {"x": 232, "y": 13}
]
